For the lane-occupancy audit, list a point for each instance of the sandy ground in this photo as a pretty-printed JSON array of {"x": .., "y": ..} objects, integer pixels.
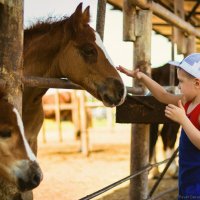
[{"x": 68, "y": 175}]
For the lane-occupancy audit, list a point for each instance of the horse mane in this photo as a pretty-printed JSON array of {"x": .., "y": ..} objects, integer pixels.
[{"x": 42, "y": 26}]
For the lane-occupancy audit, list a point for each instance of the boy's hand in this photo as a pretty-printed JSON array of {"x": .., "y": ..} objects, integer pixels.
[
  {"x": 132, "y": 73},
  {"x": 175, "y": 113}
]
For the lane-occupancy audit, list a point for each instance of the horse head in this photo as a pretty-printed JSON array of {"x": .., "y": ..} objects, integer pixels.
[
  {"x": 17, "y": 162},
  {"x": 89, "y": 65}
]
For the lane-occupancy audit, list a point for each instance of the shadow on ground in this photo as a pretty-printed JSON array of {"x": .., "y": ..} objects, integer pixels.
[{"x": 123, "y": 192}]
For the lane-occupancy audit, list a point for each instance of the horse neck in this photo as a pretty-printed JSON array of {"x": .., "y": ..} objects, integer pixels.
[{"x": 40, "y": 58}]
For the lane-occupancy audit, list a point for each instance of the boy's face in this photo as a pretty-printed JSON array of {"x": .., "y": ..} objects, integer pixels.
[{"x": 187, "y": 85}]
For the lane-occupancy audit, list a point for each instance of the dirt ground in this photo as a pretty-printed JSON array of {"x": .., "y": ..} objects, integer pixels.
[{"x": 68, "y": 175}]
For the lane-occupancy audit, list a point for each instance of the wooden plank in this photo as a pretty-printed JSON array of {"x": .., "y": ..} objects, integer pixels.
[
  {"x": 156, "y": 20},
  {"x": 100, "y": 21},
  {"x": 129, "y": 13},
  {"x": 167, "y": 16},
  {"x": 179, "y": 35},
  {"x": 140, "y": 132},
  {"x": 141, "y": 109},
  {"x": 11, "y": 48},
  {"x": 191, "y": 44},
  {"x": 164, "y": 30},
  {"x": 11, "y": 44}
]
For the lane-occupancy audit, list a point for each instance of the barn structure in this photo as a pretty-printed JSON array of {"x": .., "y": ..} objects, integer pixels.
[{"x": 178, "y": 20}]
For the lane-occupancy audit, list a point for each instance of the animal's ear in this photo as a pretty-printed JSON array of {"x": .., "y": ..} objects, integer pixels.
[
  {"x": 86, "y": 15},
  {"x": 79, "y": 19}
]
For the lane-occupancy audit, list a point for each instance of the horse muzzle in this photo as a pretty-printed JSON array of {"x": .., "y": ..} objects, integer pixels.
[
  {"x": 28, "y": 175},
  {"x": 112, "y": 92}
]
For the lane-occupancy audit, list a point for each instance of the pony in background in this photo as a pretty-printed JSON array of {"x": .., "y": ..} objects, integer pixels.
[{"x": 18, "y": 164}]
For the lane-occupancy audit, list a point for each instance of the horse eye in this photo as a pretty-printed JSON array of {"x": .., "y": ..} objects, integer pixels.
[
  {"x": 88, "y": 50},
  {"x": 5, "y": 133}
]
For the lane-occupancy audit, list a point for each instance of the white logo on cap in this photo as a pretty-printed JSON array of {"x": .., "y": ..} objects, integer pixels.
[{"x": 196, "y": 64}]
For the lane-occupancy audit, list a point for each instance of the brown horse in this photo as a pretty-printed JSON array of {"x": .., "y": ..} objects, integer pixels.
[
  {"x": 67, "y": 48},
  {"x": 18, "y": 164}
]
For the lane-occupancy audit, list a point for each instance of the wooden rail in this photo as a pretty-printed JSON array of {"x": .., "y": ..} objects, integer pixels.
[{"x": 168, "y": 16}]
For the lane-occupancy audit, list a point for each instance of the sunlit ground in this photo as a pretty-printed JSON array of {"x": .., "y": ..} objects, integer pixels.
[{"x": 69, "y": 175}]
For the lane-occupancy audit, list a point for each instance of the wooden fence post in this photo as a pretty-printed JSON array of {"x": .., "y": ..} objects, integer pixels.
[
  {"x": 57, "y": 115},
  {"x": 101, "y": 14},
  {"x": 191, "y": 44},
  {"x": 84, "y": 130},
  {"x": 140, "y": 132},
  {"x": 11, "y": 44},
  {"x": 129, "y": 13}
]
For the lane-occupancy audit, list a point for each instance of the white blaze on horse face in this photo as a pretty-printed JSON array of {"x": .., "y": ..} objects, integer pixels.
[
  {"x": 101, "y": 45},
  {"x": 29, "y": 152},
  {"x": 124, "y": 96}
]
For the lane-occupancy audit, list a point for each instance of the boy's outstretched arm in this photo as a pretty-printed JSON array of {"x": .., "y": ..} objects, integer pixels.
[
  {"x": 131, "y": 73},
  {"x": 157, "y": 90}
]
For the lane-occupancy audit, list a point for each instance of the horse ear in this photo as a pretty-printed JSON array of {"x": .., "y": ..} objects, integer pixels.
[
  {"x": 80, "y": 19},
  {"x": 78, "y": 10},
  {"x": 76, "y": 18},
  {"x": 86, "y": 15}
]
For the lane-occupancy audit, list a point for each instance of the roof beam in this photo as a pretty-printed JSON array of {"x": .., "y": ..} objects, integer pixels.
[
  {"x": 192, "y": 11},
  {"x": 166, "y": 15}
]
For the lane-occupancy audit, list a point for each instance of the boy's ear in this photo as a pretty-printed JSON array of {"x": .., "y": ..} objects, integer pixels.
[{"x": 197, "y": 82}]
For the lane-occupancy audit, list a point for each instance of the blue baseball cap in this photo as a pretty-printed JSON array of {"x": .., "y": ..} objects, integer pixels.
[{"x": 191, "y": 64}]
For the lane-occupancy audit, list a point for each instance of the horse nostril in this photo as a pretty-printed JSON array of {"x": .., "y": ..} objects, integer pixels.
[
  {"x": 22, "y": 184},
  {"x": 28, "y": 184},
  {"x": 36, "y": 180},
  {"x": 121, "y": 93},
  {"x": 107, "y": 99}
]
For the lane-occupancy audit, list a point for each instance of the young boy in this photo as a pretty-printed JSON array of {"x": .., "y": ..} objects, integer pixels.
[{"x": 184, "y": 109}]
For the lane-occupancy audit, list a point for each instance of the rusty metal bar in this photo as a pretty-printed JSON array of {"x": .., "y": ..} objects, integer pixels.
[
  {"x": 167, "y": 16},
  {"x": 101, "y": 191},
  {"x": 135, "y": 90},
  {"x": 163, "y": 173},
  {"x": 101, "y": 12},
  {"x": 49, "y": 83},
  {"x": 32, "y": 81},
  {"x": 137, "y": 173}
]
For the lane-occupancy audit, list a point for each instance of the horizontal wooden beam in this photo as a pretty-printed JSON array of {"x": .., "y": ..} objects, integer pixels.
[
  {"x": 166, "y": 15},
  {"x": 141, "y": 109}
]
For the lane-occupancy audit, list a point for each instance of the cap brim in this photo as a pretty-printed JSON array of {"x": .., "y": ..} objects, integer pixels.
[{"x": 175, "y": 63}]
